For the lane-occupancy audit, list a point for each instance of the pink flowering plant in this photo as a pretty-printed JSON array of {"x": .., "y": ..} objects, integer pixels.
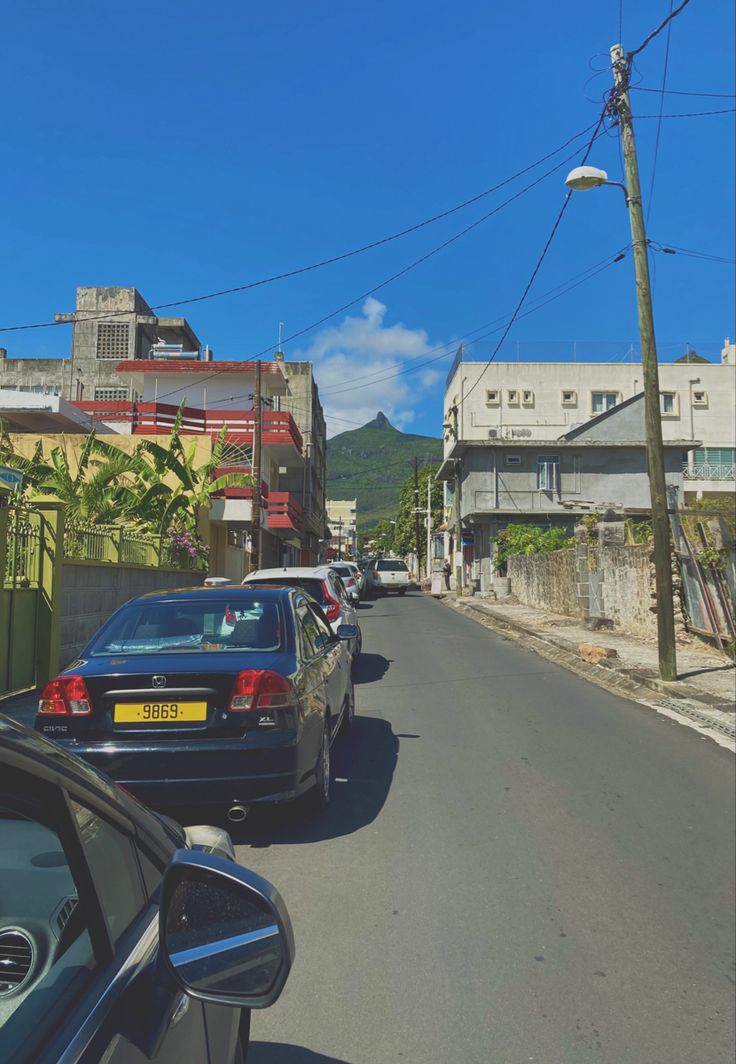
[{"x": 184, "y": 544}]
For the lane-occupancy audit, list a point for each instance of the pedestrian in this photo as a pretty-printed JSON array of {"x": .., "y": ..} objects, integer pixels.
[{"x": 446, "y": 570}]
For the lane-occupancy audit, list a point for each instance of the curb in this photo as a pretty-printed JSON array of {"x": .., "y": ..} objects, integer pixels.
[{"x": 706, "y": 710}]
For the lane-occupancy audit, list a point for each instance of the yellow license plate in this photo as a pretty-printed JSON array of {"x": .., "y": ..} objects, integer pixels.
[{"x": 159, "y": 712}]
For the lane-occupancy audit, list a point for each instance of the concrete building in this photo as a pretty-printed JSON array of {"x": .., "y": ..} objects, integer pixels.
[
  {"x": 543, "y": 400},
  {"x": 553, "y": 481},
  {"x": 108, "y": 325},
  {"x": 129, "y": 372},
  {"x": 342, "y": 515}
]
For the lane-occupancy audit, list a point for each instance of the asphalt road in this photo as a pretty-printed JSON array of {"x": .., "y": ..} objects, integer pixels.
[{"x": 517, "y": 866}]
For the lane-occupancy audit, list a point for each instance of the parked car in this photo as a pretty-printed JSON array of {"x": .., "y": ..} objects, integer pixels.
[
  {"x": 325, "y": 586},
  {"x": 123, "y": 937},
  {"x": 351, "y": 577},
  {"x": 185, "y": 708},
  {"x": 387, "y": 574}
]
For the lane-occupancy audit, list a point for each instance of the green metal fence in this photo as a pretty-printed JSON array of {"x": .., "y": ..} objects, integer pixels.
[{"x": 110, "y": 543}]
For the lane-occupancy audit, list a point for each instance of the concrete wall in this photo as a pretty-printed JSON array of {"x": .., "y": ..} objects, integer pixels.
[
  {"x": 546, "y": 581},
  {"x": 601, "y": 474},
  {"x": 90, "y": 592},
  {"x": 545, "y": 415}
]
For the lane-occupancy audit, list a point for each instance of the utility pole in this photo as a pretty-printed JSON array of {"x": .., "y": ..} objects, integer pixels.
[
  {"x": 339, "y": 539},
  {"x": 417, "y": 522},
  {"x": 458, "y": 514},
  {"x": 255, "y": 540},
  {"x": 652, "y": 415},
  {"x": 429, "y": 525}
]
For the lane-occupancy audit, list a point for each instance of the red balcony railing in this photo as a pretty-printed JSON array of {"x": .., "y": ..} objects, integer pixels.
[
  {"x": 285, "y": 512},
  {"x": 155, "y": 419}
]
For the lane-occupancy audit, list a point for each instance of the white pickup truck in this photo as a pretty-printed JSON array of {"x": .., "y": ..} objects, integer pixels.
[{"x": 387, "y": 574}]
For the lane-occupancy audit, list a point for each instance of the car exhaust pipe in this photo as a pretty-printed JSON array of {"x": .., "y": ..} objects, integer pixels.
[{"x": 237, "y": 813}]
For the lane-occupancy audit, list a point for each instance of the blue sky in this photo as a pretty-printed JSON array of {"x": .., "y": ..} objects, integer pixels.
[{"x": 184, "y": 148}]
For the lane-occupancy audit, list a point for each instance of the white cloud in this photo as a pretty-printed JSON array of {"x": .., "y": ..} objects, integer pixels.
[{"x": 352, "y": 358}]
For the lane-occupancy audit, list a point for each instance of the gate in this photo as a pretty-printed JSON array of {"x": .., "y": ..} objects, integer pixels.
[{"x": 20, "y": 591}]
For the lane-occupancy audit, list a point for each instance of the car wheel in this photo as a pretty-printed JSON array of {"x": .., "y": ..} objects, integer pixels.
[
  {"x": 402, "y": 590},
  {"x": 323, "y": 777},
  {"x": 348, "y": 715}
]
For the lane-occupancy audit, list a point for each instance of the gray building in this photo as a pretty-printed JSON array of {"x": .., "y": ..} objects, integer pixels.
[
  {"x": 551, "y": 483},
  {"x": 109, "y": 325}
]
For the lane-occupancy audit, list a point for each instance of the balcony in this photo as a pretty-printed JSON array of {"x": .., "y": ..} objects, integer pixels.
[
  {"x": 157, "y": 419},
  {"x": 284, "y": 512},
  {"x": 709, "y": 471}
]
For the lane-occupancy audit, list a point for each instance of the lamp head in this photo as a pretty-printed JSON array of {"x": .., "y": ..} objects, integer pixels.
[{"x": 583, "y": 178}]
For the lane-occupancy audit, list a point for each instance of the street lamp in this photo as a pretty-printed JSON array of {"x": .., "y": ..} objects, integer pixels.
[{"x": 582, "y": 179}]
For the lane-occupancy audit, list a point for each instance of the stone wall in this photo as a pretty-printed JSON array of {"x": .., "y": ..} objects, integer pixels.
[
  {"x": 626, "y": 581},
  {"x": 546, "y": 581},
  {"x": 612, "y": 584},
  {"x": 91, "y": 591}
]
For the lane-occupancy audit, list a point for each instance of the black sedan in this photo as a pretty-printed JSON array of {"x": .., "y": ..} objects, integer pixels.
[
  {"x": 210, "y": 697},
  {"x": 123, "y": 938}
]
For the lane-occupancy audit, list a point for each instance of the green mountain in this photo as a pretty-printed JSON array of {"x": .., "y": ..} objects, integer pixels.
[{"x": 370, "y": 464}]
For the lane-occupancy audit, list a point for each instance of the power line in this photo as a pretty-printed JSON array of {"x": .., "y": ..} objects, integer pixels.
[
  {"x": 653, "y": 34},
  {"x": 680, "y": 92},
  {"x": 659, "y": 123},
  {"x": 540, "y": 260},
  {"x": 405, "y": 270},
  {"x": 565, "y": 287},
  {"x": 324, "y": 262},
  {"x": 673, "y": 249},
  {"x": 690, "y": 114}
]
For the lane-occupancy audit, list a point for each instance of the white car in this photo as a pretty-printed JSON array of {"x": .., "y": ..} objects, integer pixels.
[
  {"x": 326, "y": 588},
  {"x": 387, "y": 574},
  {"x": 351, "y": 577}
]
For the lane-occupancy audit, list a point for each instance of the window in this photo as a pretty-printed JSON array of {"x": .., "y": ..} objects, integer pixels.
[
  {"x": 527, "y": 397},
  {"x": 322, "y": 630},
  {"x": 112, "y": 861},
  {"x": 492, "y": 397},
  {"x": 307, "y": 630},
  {"x": 513, "y": 459},
  {"x": 112, "y": 395},
  {"x": 548, "y": 473},
  {"x": 569, "y": 398},
  {"x": 700, "y": 398},
  {"x": 602, "y": 401},
  {"x": 512, "y": 397},
  {"x": 668, "y": 404},
  {"x": 46, "y": 952},
  {"x": 112, "y": 339}
]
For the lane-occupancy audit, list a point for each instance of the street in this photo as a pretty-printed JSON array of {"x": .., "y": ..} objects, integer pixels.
[{"x": 517, "y": 866}]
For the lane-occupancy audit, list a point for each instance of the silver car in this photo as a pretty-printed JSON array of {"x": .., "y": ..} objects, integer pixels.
[
  {"x": 325, "y": 586},
  {"x": 351, "y": 577}
]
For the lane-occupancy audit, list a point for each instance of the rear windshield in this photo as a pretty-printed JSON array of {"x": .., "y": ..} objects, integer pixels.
[
  {"x": 210, "y": 625},
  {"x": 343, "y": 570},
  {"x": 391, "y": 567},
  {"x": 311, "y": 585}
]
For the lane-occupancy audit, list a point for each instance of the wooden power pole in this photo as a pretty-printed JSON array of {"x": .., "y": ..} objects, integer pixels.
[
  {"x": 417, "y": 521},
  {"x": 255, "y": 540},
  {"x": 652, "y": 414}
]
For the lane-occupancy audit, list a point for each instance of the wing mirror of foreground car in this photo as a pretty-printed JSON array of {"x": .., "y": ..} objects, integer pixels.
[
  {"x": 225, "y": 933},
  {"x": 347, "y": 631}
]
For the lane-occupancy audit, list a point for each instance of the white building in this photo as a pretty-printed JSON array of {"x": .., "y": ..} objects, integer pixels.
[
  {"x": 544, "y": 400},
  {"x": 342, "y": 522}
]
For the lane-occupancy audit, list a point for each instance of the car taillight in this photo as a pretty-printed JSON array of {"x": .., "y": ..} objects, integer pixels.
[
  {"x": 376, "y": 574},
  {"x": 260, "y": 689},
  {"x": 66, "y": 696},
  {"x": 329, "y": 604}
]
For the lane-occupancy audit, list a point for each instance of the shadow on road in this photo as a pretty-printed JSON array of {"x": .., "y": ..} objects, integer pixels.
[
  {"x": 364, "y": 606},
  {"x": 370, "y": 667},
  {"x": 362, "y": 768},
  {"x": 279, "y": 1053}
]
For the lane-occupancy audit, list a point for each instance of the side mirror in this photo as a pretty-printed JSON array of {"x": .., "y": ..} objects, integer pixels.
[
  {"x": 225, "y": 935},
  {"x": 347, "y": 631}
]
